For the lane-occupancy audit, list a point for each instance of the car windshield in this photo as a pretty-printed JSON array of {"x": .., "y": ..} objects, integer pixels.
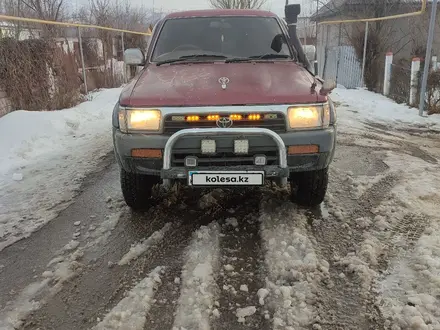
[{"x": 221, "y": 37}]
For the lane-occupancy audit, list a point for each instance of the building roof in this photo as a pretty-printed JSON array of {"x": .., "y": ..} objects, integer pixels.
[{"x": 220, "y": 12}]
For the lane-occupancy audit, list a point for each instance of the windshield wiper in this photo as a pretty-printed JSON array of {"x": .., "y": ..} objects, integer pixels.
[
  {"x": 190, "y": 57},
  {"x": 257, "y": 57},
  {"x": 270, "y": 56}
]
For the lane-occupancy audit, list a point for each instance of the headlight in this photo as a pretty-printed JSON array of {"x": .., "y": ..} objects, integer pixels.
[
  {"x": 313, "y": 116},
  {"x": 139, "y": 120}
]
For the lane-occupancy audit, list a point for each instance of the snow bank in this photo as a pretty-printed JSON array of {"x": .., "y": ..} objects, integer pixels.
[
  {"x": 197, "y": 297},
  {"x": 50, "y": 152},
  {"x": 131, "y": 312},
  {"x": 294, "y": 269},
  {"x": 375, "y": 107}
]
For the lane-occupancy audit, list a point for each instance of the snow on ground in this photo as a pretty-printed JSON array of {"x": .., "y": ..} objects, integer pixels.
[
  {"x": 102, "y": 232},
  {"x": 131, "y": 312},
  {"x": 140, "y": 248},
  {"x": 23, "y": 305},
  {"x": 369, "y": 106},
  {"x": 197, "y": 297},
  {"x": 44, "y": 158},
  {"x": 410, "y": 291},
  {"x": 294, "y": 269},
  {"x": 65, "y": 266},
  {"x": 406, "y": 226}
]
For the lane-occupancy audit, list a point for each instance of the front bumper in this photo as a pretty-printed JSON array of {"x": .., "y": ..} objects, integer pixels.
[
  {"x": 188, "y": 142},
  {"x": 281, "y": 170}
]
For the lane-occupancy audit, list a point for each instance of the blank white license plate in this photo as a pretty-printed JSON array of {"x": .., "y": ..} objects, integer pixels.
[{"x": 215, "y": 178}]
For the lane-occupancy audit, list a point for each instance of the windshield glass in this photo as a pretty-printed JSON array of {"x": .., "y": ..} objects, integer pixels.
[{"x": 231, "y": 37}]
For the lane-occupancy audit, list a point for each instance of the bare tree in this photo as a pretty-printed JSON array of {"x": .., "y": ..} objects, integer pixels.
[
  {"x": 52, "y": 10},
  {"x": 238, "y": 4},
  {"x": 120, "y": 14},
  {"x": 382, "y": 35}
]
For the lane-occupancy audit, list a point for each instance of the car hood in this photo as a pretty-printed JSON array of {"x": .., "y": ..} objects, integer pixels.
[{"x": 185, "y": 84}]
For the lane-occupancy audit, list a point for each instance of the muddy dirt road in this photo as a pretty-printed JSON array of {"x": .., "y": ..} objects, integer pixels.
[{"x": 223, "y": 259}]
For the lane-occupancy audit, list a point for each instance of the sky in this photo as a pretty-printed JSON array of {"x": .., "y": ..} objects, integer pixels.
[{"x": 277, "y": 6}]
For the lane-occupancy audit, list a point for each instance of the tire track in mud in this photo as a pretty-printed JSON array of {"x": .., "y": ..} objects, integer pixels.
[
  {"x": 382, "y": 133},
  {"x": 242, "y": 266},
  {"x": 88, "y": 297},
  {"x": 294, "y": 268},
  {"x": 162, "y": 314},
  {"x": 379, "y": 232},
  {"x": 102, "y": 284},
  {"x": 347, "y": 300}
]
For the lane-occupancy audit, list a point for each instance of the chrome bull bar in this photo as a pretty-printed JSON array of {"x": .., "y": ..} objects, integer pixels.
[{"x": 220, "y": 132}]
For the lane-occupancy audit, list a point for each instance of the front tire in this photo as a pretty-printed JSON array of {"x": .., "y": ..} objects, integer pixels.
[
  {"x": 137, "y": 189},
  {"x": 309, "y": 188}
]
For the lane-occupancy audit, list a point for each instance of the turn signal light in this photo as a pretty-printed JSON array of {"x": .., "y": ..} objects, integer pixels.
[
  {"x": 213, "y": 117},
  {"x": 303, "y": 149},
  {"x": 146, "y": 153},
  {"x": 254, "y": 116},
  {"x": 236, "y": 117},
  {"x": 192, "y": 118}
]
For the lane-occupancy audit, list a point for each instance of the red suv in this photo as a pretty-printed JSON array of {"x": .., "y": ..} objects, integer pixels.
[{"x": 225, "y": 98}]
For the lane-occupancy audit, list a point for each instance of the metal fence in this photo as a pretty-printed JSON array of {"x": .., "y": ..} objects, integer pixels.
[
  {"x": 48, "y": 65},
  {"x": 342, "y": 65}
]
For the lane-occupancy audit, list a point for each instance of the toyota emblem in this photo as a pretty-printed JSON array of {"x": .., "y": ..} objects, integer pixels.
[
  {"x": 224, "y": 81},
  {"x": 224, "y": 122}
]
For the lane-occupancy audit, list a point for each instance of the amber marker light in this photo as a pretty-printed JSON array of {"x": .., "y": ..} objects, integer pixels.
[
  {"x": 303, "y": 149},
  {"x": 146, "y": 153},
  {"x": 192, "y": 118},
  {"x": 236, "y": 117},
  {"x": 254, "y": 116}
]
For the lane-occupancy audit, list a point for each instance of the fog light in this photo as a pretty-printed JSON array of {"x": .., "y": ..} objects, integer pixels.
[
  {"x": 260, "y": 160},
  {"x": 190, "y": 161},
  {"x": 241, "y": 146},
  {"x": 208, "y": 147}
]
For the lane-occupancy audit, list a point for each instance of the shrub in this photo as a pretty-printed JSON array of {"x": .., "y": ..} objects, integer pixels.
[
  {"x": 433, "y": 93},
  {"x": 38, "y": 75}
]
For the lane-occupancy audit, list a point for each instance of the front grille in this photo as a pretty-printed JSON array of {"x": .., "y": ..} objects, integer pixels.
[
  {"x": 224, "y": 158},
  {"x": 276, "y": 124}
]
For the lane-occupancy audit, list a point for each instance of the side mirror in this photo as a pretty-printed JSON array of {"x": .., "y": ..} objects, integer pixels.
[
  {"x": 134, "y": 57},
  {"x": 310, "y": 52},
  {"x": 328, "y": 86},
  {"x": 277, "y": 43}
]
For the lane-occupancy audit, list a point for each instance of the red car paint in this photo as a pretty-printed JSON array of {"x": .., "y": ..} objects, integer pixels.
[
  {"x": 186, "y": 84},
  {"x": 197, "y": 84}
]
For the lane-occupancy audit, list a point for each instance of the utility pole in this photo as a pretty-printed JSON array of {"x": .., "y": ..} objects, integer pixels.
[
  {"x": 316, "y": 30},
  {"x": 17, "y": 28},
  {"x": 428, "y": 57},
  {"x": 154, "y": 13}
]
